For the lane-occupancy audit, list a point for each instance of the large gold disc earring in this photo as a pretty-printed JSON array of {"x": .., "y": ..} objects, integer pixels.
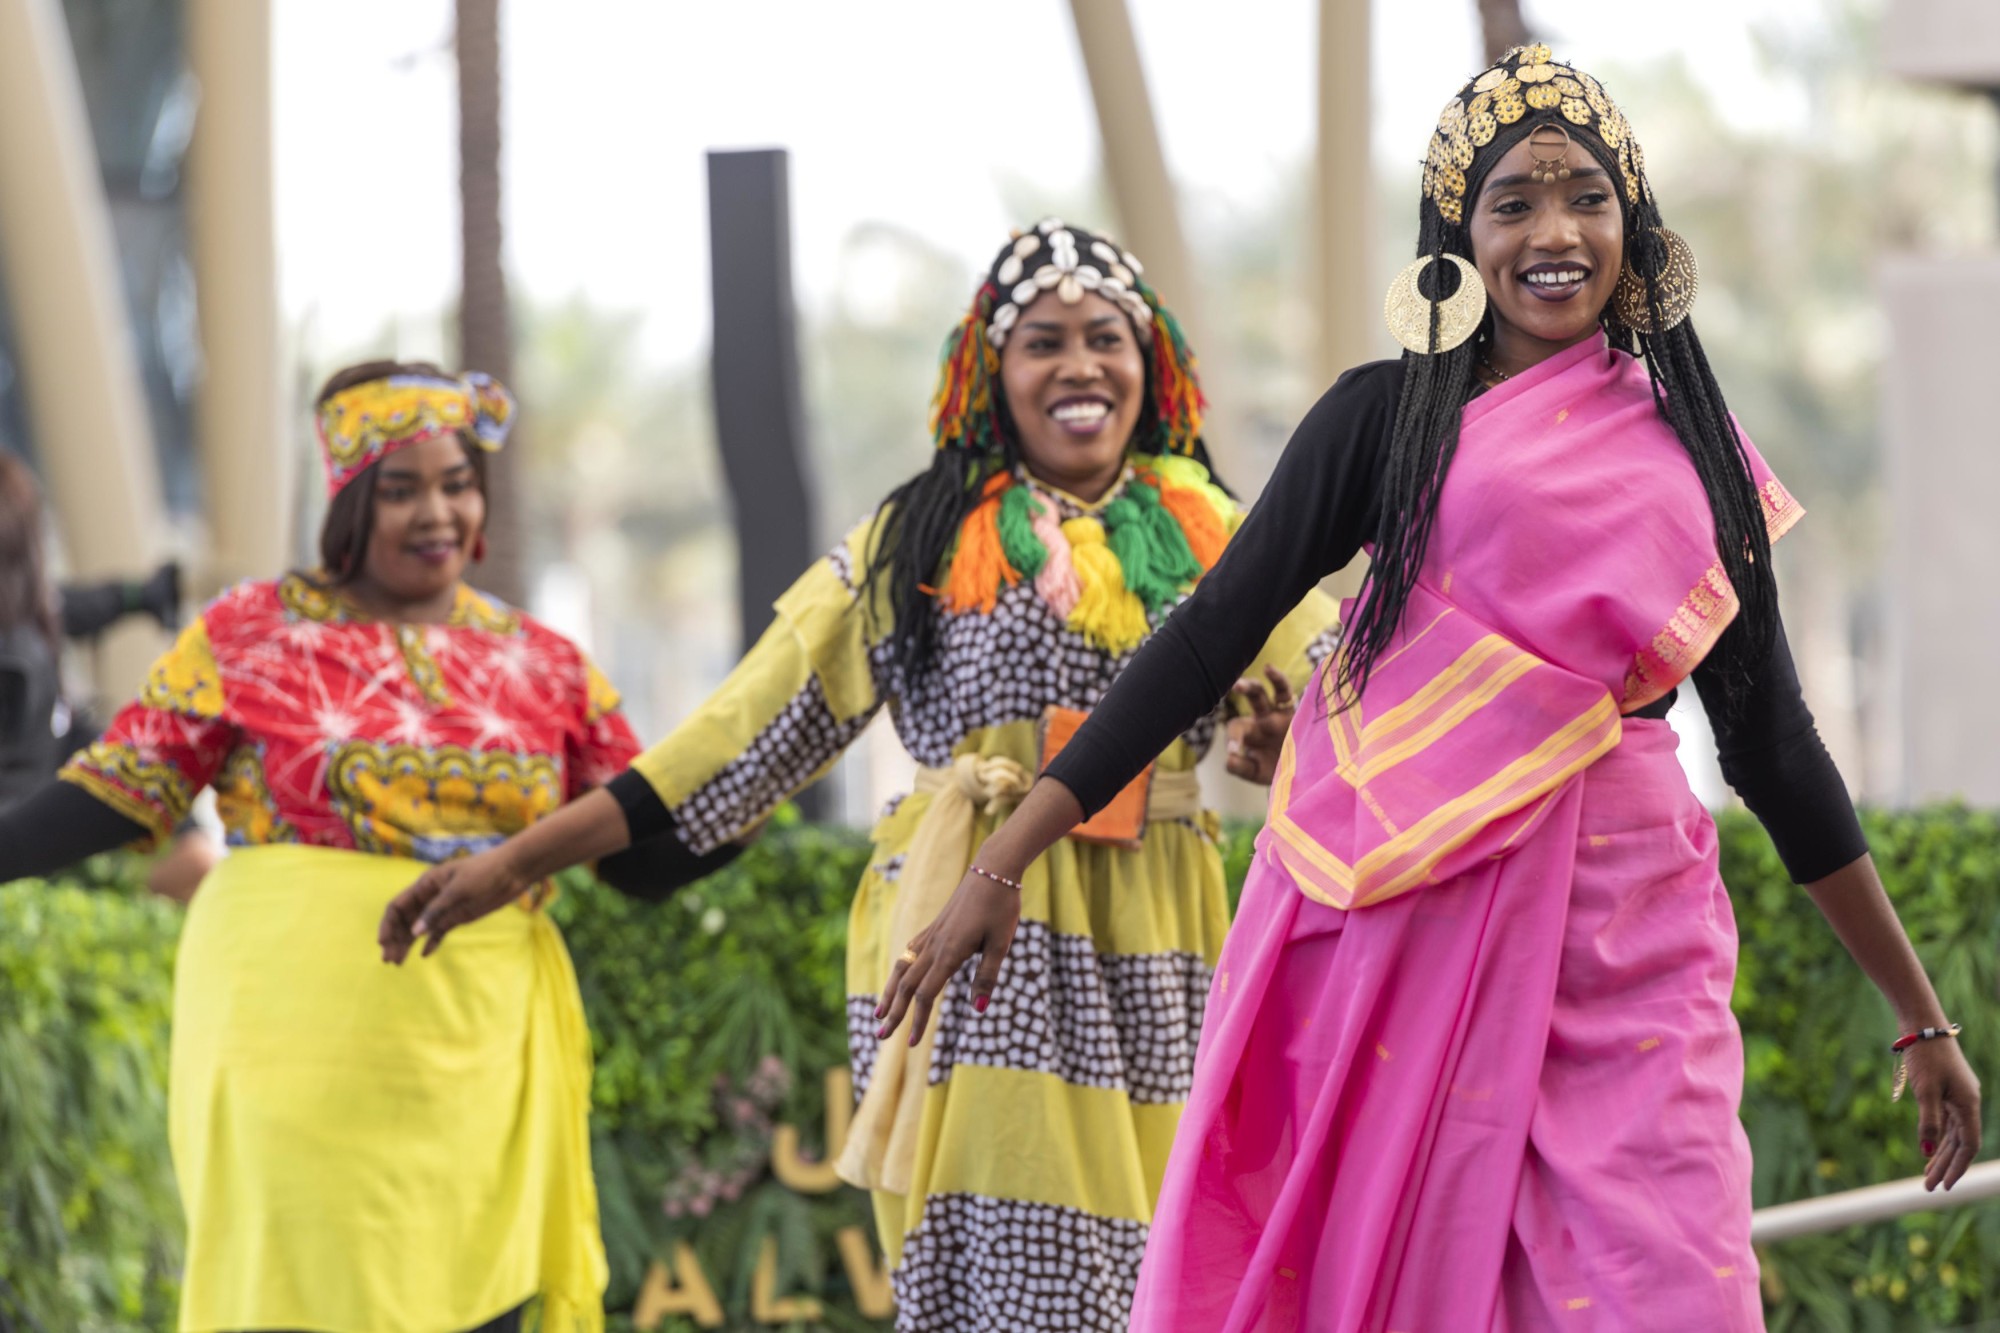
[
  {"x": 1679, "y": 279},
  {"x": 1408, "y": 310}
]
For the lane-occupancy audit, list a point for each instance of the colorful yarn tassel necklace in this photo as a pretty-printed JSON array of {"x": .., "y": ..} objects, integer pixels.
[{"x": 1105, "y": 574}]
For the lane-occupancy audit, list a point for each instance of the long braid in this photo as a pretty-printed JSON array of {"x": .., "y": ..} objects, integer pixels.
[
  {"x": 911, "y": 538},
  {"x": 1422, "y": 444},
  {"x": 1686, "y": 394}
]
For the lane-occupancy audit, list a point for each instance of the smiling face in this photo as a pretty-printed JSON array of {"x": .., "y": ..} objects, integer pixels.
[
  {"x": 1075, "y": 379},
  {"x": 1549, "y": 251},
  {"x": 428, "y": 513}
]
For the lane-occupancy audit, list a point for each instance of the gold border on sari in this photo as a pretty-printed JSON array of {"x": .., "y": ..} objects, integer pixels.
[
  {"x": 1708, "y": 609},
  {"x": 1364, "y": 751}
]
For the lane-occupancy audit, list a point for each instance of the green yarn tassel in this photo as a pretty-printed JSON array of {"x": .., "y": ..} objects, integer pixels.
[
  {"x": 1150, "y": 547},
  {"x": 1024, "y": 549}
]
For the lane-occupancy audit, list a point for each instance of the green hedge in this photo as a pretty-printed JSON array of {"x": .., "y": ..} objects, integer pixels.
[
  {"x": 1817, "y": 1072},
  {"x": 90, "y": 1225},
  {"x": 716, "y": 1015}
]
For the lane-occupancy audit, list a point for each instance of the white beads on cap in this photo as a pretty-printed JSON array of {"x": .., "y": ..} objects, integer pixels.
[{"x": 1113, "y": 275}]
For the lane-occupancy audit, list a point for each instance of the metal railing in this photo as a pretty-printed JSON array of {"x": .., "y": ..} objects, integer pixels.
[{"x": 1875, "y": 1203}]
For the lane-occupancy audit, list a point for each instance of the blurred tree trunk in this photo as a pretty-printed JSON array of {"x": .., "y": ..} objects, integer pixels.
[
  {"x": 1501, "y": 27},
  {"x": 485, "y": 330}
]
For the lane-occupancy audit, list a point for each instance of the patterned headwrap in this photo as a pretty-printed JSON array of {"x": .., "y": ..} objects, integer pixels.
[
  {"x": 1072, "y": 263},
  {"x": 362, "y": 425},
  {"x": 1527, "y": 87}
]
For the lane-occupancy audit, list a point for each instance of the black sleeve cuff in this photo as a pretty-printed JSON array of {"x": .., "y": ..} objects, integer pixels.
[
  {"x": 646, "y": 815},
  {"x": 658, "y": 864}
]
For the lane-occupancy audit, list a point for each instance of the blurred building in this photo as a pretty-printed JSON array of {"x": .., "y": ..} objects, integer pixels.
[{"x": 1941, "y": 442}]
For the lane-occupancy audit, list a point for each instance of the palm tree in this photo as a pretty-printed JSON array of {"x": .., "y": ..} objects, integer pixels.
[
  {"x": 486, "y": 340},
  {"x": 1501, "y": 27}
]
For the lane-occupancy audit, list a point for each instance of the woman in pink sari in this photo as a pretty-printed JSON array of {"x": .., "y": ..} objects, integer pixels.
[{"x": 1468, "y": 1061}]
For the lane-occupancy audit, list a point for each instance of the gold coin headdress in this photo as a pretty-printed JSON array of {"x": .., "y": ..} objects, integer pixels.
[
  {"x": 1529, "y": 94},
  {"x": 1527, "y": 84}
]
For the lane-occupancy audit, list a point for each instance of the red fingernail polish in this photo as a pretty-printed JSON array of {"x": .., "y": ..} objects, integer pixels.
[
  {"x": 1929, "y": 1147},
  {"x": 979, "y": 1005},
  {"x": 882, "y": 1033}
]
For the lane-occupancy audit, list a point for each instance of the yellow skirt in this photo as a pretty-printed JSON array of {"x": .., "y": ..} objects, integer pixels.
[
  {"x": 368, "y": 1149},
  {"x": 1044, "y": 1125}
]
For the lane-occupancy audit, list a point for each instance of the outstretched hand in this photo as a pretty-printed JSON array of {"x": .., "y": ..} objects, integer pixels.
[
  {"x": 979, "y": 919},
  {"x": 445, "y": 897},
  {"x": 1947, "y": 1093},
  {"x": 1258, "y": 738}
]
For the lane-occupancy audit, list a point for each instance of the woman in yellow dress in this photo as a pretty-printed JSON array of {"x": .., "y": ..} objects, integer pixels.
[
  {"x": 1016, "y": 1156},
  {"x": 360, "y": 1151}
]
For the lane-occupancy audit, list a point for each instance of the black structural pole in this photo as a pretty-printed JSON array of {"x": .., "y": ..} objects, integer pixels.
[{"x": 759, "y": 402}]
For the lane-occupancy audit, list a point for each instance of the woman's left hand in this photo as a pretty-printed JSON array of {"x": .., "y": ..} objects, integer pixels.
[
  {"x": 979, "y": 919},
  {"x": 1947, "y": 1093},
  {"x": 1256, "y": 740}
]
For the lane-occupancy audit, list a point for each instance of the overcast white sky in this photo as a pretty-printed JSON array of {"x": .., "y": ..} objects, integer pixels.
[{"x": 906, "y": 111}]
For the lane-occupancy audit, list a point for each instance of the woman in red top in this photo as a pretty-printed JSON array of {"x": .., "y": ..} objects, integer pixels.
[{"x": 360, "y": 1150}]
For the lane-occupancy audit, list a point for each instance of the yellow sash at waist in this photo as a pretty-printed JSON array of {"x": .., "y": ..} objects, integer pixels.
[
  {"x": 882, "y": 1141},
  {"x": 370, "y": 1149}
]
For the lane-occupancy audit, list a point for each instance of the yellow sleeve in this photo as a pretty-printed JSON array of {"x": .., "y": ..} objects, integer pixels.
[
  {"x": 784, "y": 715},
  {"x": 165, "y": 746},
  {"x": 1307, "y": 635}
]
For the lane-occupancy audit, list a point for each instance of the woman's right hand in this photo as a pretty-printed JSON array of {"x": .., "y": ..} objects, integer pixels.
[
  {"x": 979, "y": 919},
  {"x": 981, "y": 914},
  {"x": 445, "y": 897}
]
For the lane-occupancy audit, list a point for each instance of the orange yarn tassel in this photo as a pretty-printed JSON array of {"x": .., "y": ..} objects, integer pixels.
[
  {"x": 979, "y": 566},
  {"x": 1200, "y": 524}
]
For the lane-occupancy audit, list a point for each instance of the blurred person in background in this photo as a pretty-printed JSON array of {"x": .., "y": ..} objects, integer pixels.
[
  {"x": 1469, "y": 1062},
  {"x": 39, "y": 728},
  {"x": 989, "y": 603},
  {"x": 30, "y": 640},
  {"x": 88, "y": 609},
  {"x": 359, "y": 1149}
]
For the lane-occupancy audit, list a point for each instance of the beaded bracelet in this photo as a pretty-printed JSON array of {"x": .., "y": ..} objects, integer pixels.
[
  {"x": 997, "y": 879},
  {"x": 1901, "y": 1047}
]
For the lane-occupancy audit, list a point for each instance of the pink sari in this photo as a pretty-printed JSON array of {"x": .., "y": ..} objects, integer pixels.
[{"x": 1468, "y": 1061}]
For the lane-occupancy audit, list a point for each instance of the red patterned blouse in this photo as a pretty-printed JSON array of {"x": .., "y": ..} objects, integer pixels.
[{"x": 317, "y": 725}]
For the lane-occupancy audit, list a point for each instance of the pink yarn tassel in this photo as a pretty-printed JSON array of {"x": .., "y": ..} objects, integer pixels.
[{"x": 1057, "y": 583}]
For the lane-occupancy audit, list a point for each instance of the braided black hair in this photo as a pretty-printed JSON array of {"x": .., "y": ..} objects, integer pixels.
[{"x": 1437, "y": 387}]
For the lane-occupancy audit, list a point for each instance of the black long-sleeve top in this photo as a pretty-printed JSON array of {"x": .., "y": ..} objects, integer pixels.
[{"x": 1321, "y": 504}]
